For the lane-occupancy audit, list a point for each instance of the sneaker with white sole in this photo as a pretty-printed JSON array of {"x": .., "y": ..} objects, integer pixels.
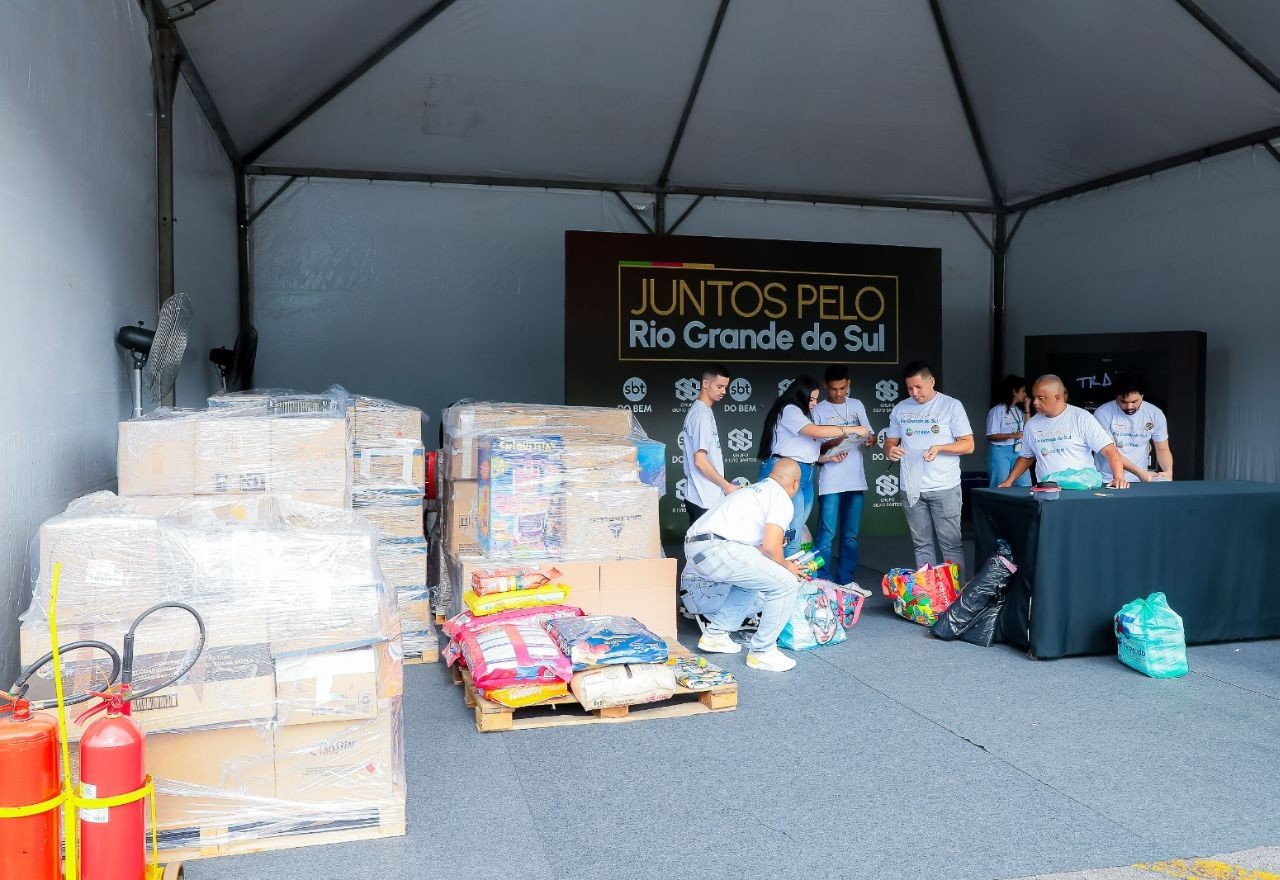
[
  {"x": 771, "y": 660},
  {"x": 721, "y": 643}
]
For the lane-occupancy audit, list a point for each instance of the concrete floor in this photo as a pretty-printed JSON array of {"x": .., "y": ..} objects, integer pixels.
[{"x": 891, "y": 755}]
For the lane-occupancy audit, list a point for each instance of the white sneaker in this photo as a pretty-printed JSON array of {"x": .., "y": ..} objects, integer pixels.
[
  {"x": 771, "y": 660},
  {"x": 718, "y": 644}
]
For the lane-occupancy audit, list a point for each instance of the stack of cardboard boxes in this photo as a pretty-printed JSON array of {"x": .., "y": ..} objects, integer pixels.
[
  {"x": 388, "y": 479},
  {"x": 567, "y": 485},
  {"x": 289, "y": 724}
]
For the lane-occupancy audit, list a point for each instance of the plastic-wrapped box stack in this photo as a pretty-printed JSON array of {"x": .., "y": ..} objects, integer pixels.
[
  {"x": 288, "y": 729},
  {"x": 388, "y": 479},
  {"x": 575, "y": 489}
]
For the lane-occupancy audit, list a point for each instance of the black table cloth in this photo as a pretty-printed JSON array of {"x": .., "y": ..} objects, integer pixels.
[{"x": 1211, "y": 547}]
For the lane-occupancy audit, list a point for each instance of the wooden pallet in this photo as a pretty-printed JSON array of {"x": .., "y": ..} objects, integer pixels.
[
  {"x": 391, "y": 823},
  {"x": 566, "y": 711},
  {"x": 430, "y": 656}
]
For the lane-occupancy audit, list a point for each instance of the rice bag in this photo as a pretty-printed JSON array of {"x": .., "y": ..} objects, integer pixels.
[
  {"x": 606, "y": 641},
  {"x": 505, "y": 579},
  {"x": 611, "y": 686},
  {"x": 512, "y": 654},
  {"x": 550, "y": 594},
  {"x": 521, "y": 695},
  {"x": 538, "y": 615}
]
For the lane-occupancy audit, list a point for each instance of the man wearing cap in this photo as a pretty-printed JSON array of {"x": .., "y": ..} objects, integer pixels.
[
  {"x": 739, "y": 542},
  {"x": 1136, "y": 426},
  {"x": 1063, "y": 437}
]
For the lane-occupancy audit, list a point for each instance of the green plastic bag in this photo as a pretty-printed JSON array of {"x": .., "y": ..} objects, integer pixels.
[
  {"x": 1076, "y": 478},
  {"x": 1150, "y": 638}
]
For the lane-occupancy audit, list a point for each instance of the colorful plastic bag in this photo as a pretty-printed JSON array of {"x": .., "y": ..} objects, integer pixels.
[
  {"x": 698, "y": 674},
  {"x": 466, "y": 621},
  {"x": 1150, "y": 638},
  {"x": 921, "y": 595},
  {"x": 521, "y": 695},
  {"x": 1076, "y": 478},
  {"x": 521, "y": 653},
  {"x": 847, "y": 600},
  {"x": 606, "y": 641},
  {"x": 548, "y": 594},
  {"x": 507, "y": 578},
  {"x": 814, "y": 622}
]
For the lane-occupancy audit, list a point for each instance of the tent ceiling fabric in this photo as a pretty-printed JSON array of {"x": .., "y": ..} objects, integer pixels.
[{"x": 843, "y": 98}]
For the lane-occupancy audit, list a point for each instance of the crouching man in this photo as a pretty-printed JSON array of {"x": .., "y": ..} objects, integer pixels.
[{"x": 739, "y": 542}]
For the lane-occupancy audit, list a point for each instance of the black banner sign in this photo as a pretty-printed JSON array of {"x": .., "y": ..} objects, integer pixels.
[{"x": 644, "y": 313}]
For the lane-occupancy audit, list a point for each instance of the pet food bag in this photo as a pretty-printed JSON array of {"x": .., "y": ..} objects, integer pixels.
[
  {"x": 537, "y": 615},
  {"x": 611, "y": 686},
  {"x": 508, "y": 578},
  {"x": 921, "y": 595},
  {"x": 1150, "y": 638},
  {"x": 521, "y": 653},
  {"x": 606, "y": 641},
  {"x": 814, "y": 620},
  {"x": 521, "y": 695},
  {"x": 548, "y": 594}
]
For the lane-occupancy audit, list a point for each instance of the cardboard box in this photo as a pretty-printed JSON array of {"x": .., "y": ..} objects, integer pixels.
[
  {"x": 327, "y": 617},
  {"x": 404, "y": 564},
  {"x": 327, "y": 687},
  {"x": 157, "y": 456},
  {"x": 339, "y": 766},
  {"x": 462, "y": 524},
  {"x": 114, "y": 566},
  {"x": 644, "y": 589},
  {"x": 465, "y": 425},
  {"x": 231, "y": 683},
  {"x": 402, "y": 465},
  {"x": 620, "y": 523},
  {"x": 233, "y": 455},
  {"x": 397, "y": 517},
  {"x": 210, "y": 779},
  {"x": 374, "y": 422},
  {"x": 308, "y": 454}
]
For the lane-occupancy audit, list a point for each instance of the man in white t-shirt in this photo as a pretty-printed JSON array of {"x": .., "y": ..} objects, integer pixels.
[
  {"x": 1136, "y": 426},
  {"x": 842, "y": 477},
  {"x": 739, "y": 542},
  {"x": 705, "y": 484},
  {"x": 928, "y": 432},
  {"x": 1062, "y": 437}
]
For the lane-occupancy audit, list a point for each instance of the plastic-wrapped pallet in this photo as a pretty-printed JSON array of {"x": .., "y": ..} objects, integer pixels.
[{"x": 288, "y": 726}]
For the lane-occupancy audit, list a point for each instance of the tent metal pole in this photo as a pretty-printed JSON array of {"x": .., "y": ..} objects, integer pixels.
[
  {"x": 1012, "y": 232},
  {"x": 164, "y": 81},
  {"x": 1275, "y": 154},
  {"x": 686, "y": 213},
  {"x": 998, "y": 254},
  {"x": 660, "y": 214},
  {"x": 271, "y": 198},
  {"x": 665, "y": 176},
  {"x": 978, "y": 229},
  {"x": 188, "y": 9},
  {"x": 1237, "y": 48},
  {"x": 1187, "y": 158},
  {"x": 348, "y": 78},
  {"x": 979, "y": 143},
  {"x": 634, "y": 213},
  {"x": 244, "y": 293}
]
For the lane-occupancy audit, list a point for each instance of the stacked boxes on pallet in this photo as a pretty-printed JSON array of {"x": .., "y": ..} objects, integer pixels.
[
  {"x": 289, "y": 724},
  {"x": 569, "y": 491},
  {"x": 388, "y": 478}
]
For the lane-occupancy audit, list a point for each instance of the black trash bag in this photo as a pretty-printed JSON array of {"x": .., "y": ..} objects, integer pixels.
[{"x": 972, "y": 617}]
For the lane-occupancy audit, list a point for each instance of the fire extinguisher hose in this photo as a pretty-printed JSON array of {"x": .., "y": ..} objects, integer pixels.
[
  {"x": 126, "y": 675},
  {"x": 19, "y": 688}
]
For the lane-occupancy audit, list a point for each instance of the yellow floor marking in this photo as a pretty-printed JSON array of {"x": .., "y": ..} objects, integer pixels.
[{"x": 1206, "y": 869}]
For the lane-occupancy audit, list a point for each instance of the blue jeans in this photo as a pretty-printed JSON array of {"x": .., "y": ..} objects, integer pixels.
[
  {"x": 839, "y": 513},
  {"x": 1000, "y": 462},
  {"x": 803, "y": 501},
  {"x": 752, "y": 577}
]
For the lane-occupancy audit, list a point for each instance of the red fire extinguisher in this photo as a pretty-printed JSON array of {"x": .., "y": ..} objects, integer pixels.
[
  {"x": 30, "y": 777},
  {"x": 112, "y": 762}
]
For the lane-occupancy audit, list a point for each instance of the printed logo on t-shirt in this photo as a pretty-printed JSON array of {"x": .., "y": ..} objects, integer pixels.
[
  {"x": 1150, "y": 426},
  {"x": 740, "y": 482},
  {"x": 935, "y": 429}
]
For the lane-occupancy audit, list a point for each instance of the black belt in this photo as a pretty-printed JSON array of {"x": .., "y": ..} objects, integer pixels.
[{"x": 697, "y": 558}]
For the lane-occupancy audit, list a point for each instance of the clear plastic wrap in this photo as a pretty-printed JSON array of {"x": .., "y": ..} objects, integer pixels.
[
  {"x": 334, "y": 402},
  {"x": 303, "y": 649}
]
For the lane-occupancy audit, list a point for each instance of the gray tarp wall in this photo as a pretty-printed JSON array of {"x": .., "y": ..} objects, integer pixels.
[
  {"x": 1194, "y": 248},
  {"x": 78, "y": 251},
  {"x": 426, "y": 294}
]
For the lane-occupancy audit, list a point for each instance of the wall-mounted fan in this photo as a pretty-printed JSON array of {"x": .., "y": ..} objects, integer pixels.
[
  {"x": 235, "y": 365},
  {"x": 157, "y": 353}
]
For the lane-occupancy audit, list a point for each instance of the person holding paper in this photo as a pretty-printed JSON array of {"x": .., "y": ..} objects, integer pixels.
[
  {"x": 928, "y": 432},
  {"x": 842, "y": 478}
]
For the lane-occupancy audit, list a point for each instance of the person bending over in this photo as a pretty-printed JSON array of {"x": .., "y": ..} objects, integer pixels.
[
  {"x": 740, "y": 542},
  {"x": 1062, "y": 437}
]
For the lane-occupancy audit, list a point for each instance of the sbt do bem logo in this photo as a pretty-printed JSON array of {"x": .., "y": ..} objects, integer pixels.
[
  {"x": 634, "y": 389},
  {"x": 687, "y": 389},
  {"x": 886, "y": 485},
  {"x": 740, "y": 440},
  {"x": 740, "y": 390}
]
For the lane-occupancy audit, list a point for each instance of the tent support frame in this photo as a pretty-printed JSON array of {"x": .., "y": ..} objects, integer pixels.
[{"x": 665, "y": 176}]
